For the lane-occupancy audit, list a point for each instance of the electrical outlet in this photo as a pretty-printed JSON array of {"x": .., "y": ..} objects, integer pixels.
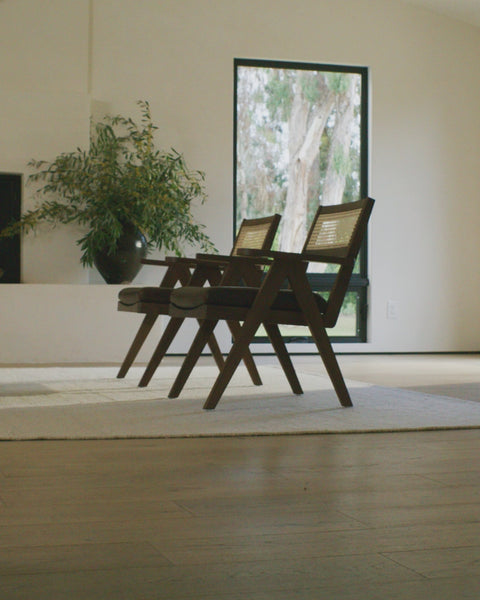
[{"x": 392, "y": 309}]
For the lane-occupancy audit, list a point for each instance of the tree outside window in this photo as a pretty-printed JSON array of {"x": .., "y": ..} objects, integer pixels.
[{"x": 301, "y": 141}]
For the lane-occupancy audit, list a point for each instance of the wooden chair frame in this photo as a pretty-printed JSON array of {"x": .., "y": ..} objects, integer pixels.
[
  {"x": 258, "y": 233},
  {"x": 292, "y": 267}
]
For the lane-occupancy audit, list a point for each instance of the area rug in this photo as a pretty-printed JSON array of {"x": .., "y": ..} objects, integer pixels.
[{"x": 90, "y": 403}]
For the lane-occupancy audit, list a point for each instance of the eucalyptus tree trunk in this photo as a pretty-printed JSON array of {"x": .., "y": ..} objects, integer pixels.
[
  {"x": 242, "y": 194},
  {"x": 306, "y": 124},
  {"x": 338, "y": 157},
  {"x": 243, "y": 142}
]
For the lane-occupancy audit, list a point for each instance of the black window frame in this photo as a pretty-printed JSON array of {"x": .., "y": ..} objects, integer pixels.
[{"x": 322, "y": 282}]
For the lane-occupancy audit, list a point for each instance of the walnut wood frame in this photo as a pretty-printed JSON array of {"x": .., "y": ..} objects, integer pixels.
[
  {"x": 188, "y": 271},
  {"x": 282, "y": 266}
]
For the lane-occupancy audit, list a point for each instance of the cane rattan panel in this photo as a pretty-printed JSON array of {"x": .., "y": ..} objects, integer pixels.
[
  {"x": 333, "y": 231},
  {"x": 252, "y": 236}
]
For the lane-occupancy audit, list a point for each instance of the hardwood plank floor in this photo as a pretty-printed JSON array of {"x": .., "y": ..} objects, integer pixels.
[{"x": 393, "y": 516}]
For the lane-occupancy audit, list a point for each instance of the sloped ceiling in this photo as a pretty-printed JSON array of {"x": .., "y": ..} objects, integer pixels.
[{"x": 464, "y": 10}]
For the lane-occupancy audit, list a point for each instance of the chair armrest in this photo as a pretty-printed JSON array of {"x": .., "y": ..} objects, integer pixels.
[
  {"x": 292, "y": 256},
  {"x": 169, "y": 260},
  {"x": 327, "y": 258},
  {"x": 229, "y": 259},
  {"x": 153, "y": 261},
  {"x": 267, "y": 255},
  {"x": 182, "y": 260},
  {"x": 217, "y": 258}
]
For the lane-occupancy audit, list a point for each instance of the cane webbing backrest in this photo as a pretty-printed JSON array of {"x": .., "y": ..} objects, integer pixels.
[
  {"x": 336, "y": 235},
  {"x": 333, "y": 230},
  {"x": 256, "y": 234}
]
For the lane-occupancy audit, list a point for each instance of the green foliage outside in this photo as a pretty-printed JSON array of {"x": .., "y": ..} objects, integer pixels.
[
  {"x": 263, "y": 157},
  {"x": 271, "y": 103}
]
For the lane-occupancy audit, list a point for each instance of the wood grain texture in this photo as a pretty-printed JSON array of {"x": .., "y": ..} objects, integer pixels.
[{"x": 298, "y": 517}]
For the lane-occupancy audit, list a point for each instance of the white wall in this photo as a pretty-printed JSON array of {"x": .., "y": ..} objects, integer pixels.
[
  {"x": 425, "y": 126},
  {"x": 44, "y": 109}
]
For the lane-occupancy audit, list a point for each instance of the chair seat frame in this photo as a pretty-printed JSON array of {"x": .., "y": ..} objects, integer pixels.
[
  {"x": 199, "y": 271},
  {"x": 293, "y": 268}
]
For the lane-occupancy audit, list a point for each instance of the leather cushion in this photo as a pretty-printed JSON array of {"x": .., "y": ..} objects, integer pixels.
[
  {"x": 134, "y": 295},
  {"x": 191, "y": 297}
]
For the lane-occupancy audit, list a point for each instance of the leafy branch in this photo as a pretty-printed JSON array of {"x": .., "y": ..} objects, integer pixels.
[{"x": 122, "y": 178}]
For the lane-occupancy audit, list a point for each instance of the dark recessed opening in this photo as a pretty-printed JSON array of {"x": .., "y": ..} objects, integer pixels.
[{"x": 10, "y": 201}]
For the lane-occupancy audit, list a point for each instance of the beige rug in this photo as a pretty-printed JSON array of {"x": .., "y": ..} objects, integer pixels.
[{"x": 89, "y": 402}]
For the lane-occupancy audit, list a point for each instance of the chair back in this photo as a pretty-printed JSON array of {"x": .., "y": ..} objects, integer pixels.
[
  {"x": 257, "y": 234},
  {"x": 336, "y": 236}
]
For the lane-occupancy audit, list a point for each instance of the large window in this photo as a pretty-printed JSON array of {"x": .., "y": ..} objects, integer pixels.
[{"x": 300, "y": 141}]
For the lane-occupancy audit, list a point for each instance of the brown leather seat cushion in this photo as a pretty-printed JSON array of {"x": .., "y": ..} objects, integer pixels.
[
  {"x": 145, "y": 295},
  {"x": 191, "y": 297}
]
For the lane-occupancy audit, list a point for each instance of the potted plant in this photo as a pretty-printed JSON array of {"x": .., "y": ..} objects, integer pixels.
[{"x": 129, "y": 196}]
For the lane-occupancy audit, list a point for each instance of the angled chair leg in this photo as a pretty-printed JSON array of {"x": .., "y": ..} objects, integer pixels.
[
  {"x": 164, "y": 344},
  {"x": 235, "y": 329},
  {"x": 170, "y": 332},
  {"x": 320, "y": 336},
  {"x": 142, "y": 333},
  {"x": 215, "y": 350},
  {"x": 198, "y": 344},
  {"x": 283, "y": 356},
  {"x": 234, "y": 358},
  {"x": 263, "y": 300},
  {"x": 331, "y": 365}
]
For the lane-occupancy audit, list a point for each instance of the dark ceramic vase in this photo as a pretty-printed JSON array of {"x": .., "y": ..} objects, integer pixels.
[{"x": 123, "y": 265}]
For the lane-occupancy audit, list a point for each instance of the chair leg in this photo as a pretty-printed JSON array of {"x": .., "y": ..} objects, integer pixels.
[
  {"x": 315, "y": 322},
  {"x": 215, "y": 350},
  {"x": 162, "y": 347},
  {"x": 198, "y": 344},
  {"x": 235, "y": 329},
  {"x": 142, "y": 333},
  {"x": 283, "y": 356},
  {"x": 234, "y": 358},
  {"x": 331, "y": 365},
  {"x": 195, "y": 351},
  {"x": 262, "y": 302},
  {"x": 164, "y": 344}
]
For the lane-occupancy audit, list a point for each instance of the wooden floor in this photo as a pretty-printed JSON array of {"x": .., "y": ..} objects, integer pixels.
[{"x": 390, "y": 516}]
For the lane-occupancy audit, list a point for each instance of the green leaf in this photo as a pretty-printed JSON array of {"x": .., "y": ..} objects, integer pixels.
[{"x": 122, "y": 177}]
